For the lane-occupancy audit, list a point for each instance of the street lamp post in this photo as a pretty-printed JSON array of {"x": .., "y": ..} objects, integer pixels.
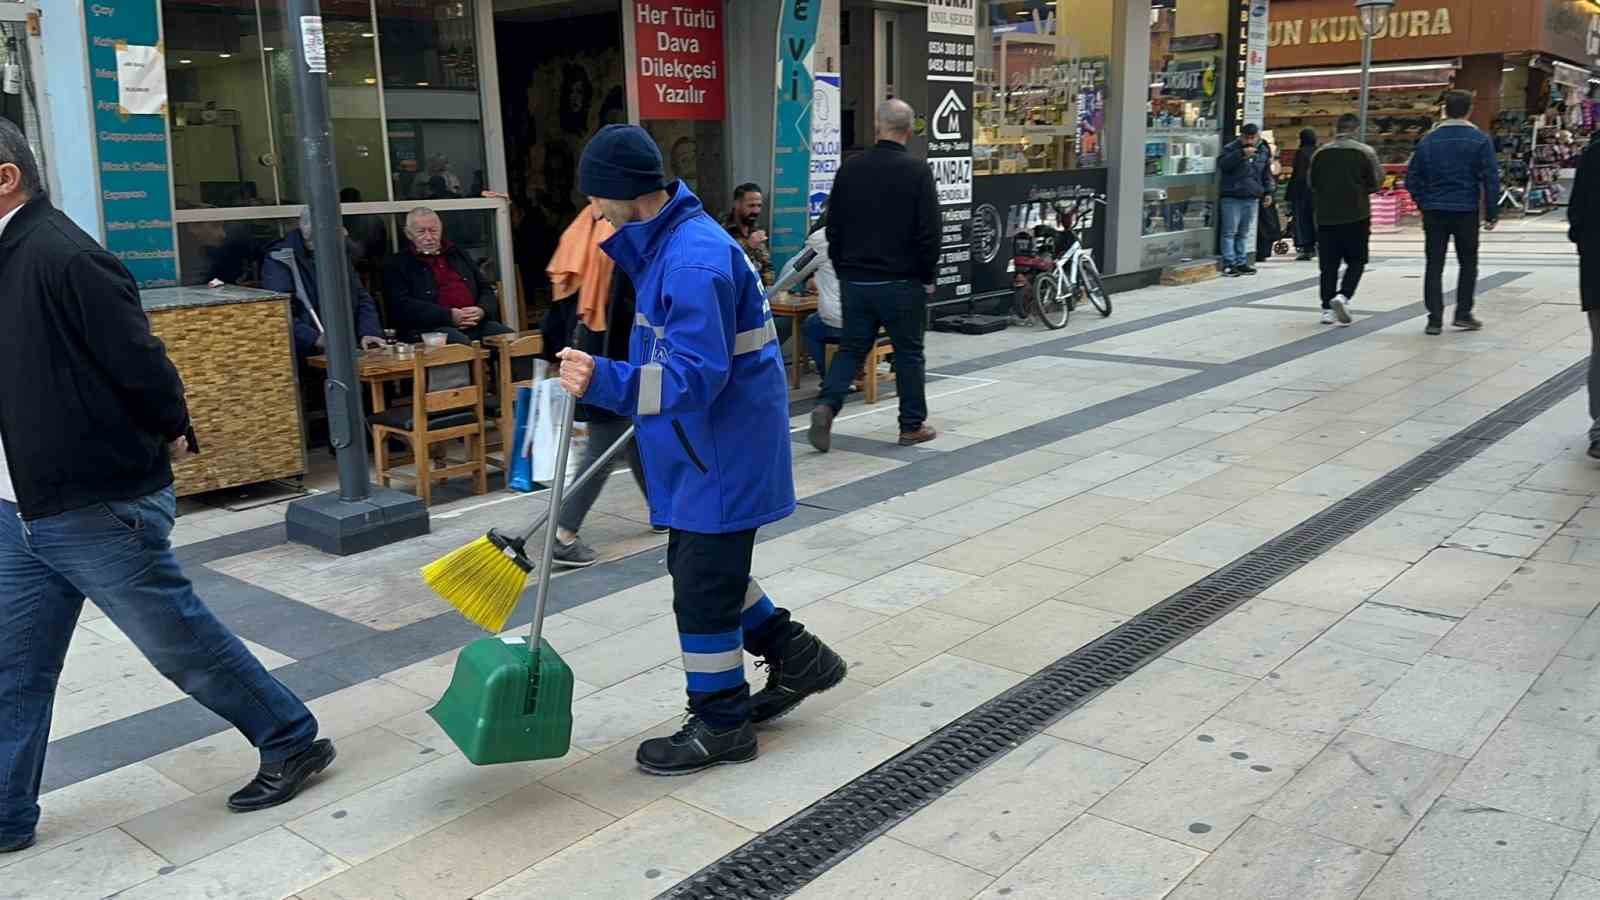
[{"x": 1371, "y": 13}]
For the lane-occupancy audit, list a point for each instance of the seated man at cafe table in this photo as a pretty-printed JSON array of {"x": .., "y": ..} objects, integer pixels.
[
  {"x": 290, "y": 267},
  {"x": 435, "y": 286}
]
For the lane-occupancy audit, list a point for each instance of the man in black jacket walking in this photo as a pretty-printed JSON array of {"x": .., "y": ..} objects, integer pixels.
[
  {"x": 1345, "y": 173},
  {"x": 91, "y": 412},
  {"x": 883, "y": 238},
  {"x": 1583, "y": 228}
]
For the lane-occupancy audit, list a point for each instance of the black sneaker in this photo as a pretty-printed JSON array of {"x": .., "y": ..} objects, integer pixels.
[
  {"x": 1468, "y": 324},
  {"x": 1433, "y": 328},
  {"x": 821, "y": 431},
  {"x": 16, "y": 845},
  {"x": 1230, "y": 272},
  {"x": 659, "y": 529},
  {"x": 1249, "y": 270},
  {"x": 576, "y": 555},
  {"x": 696, "y": 747},
  {"x": 805, "y": 666},
  {"x": 1594, "y": 450}
]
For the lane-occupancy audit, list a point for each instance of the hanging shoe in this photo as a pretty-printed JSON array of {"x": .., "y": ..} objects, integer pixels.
[
  {"x": 697, "y": 747},
  {"x": 805, "y": 666}
]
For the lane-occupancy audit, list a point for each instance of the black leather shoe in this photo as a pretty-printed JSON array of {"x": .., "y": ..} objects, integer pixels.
[
  {"x": 1468, "y": 324},
  {"x": 697, "y": 747},
  {"x": 821, "y": 431},
  {"x": 280, "y": 782},
  {"x": 1433, "y": 328},
  {"x": 12, "y": 846},
  {"x": 805, "y": 666},
  {"x": 1594, "y": 450}
]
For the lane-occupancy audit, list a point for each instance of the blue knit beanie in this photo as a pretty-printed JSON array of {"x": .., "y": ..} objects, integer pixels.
[{"x": 621, "y": 162}]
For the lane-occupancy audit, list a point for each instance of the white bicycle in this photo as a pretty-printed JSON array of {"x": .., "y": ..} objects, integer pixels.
[{"x": 1054, "y": 271}]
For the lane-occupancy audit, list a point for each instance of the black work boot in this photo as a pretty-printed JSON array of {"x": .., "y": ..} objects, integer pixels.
[
  {"x": 804, "y": 666},
  {"x": 280, "y": 782},
  {"x": 696, "y": 747}
]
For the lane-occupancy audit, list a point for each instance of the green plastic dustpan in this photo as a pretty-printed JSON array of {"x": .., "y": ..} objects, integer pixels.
[
  {"x": 503, "y": 706},
  {"x": 510, "y": 700}
]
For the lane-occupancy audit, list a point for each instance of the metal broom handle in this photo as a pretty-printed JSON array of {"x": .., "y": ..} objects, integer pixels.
[{"x": 558, "y": 488}]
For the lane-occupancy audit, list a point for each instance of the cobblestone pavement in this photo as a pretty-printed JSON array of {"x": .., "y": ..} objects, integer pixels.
[{"x": 1410, "y": 715}]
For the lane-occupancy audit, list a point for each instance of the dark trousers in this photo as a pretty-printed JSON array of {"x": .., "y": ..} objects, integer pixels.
[
  {"x": 722, "y": 613},
  {"x": 1305, "y": 225},
  {"x": 1439, "y": 228},
  {"x": 1344, "y": 245},
  {"x": 1594, "y": 375},
  {"x": 603, "y": 432},
  {"x": 901, "y": 308}
]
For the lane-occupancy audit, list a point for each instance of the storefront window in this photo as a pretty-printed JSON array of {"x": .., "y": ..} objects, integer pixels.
[
  {"x": 222, "y": 142},
  {"x": 430, "y": 79},
  {"x": 1183, "y": 130}
]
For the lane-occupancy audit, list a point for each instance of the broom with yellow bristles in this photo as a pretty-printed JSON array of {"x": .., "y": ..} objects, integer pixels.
[{"x": 485, "y": 579}]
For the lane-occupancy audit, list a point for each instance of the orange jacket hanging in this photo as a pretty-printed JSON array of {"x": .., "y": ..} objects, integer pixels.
[{"x": 581, "y": 267}]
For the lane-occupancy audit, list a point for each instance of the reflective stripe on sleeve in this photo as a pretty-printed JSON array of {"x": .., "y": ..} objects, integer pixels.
[
  {"x": 650, "y": 390},
  {"x": 754, "y": 339}
]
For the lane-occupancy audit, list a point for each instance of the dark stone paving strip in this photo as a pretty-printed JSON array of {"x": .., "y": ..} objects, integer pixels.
[
  {"x": 1138, "y": 360},
  {"x": 130, "y": 740}
]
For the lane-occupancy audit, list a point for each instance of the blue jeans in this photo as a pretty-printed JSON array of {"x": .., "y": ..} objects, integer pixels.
[
  {"x": 1238, "y": 230},
  {"x": 819, "y": 335},
  {"x": 119, "y": 555}
]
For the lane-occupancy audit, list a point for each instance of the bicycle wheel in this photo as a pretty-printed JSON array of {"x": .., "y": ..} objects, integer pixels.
[
  {"x": 1051, "y": 301},
  {"x": 1094, "y": 287}
]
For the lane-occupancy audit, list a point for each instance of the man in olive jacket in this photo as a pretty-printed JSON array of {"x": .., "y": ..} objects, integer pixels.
[
  {"x": 91, "y": 414},
  {"x": 1583, "y": 228},
  {"x": 1345, "y": 173}
]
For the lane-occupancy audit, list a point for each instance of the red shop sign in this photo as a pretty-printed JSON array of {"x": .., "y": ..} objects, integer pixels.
[{"x": 680, "y": 59}]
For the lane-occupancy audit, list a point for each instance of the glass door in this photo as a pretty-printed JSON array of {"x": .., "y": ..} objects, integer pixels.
[{"x": 21, "y": 94}]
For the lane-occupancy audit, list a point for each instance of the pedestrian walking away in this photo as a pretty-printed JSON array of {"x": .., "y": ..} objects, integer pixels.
[
  {"x": 1246, "y": 171},
  {"x": 91, "y": 414},
  {"x": 1583, "y": 227},
  {"x": 1302, "y": 203},
  {"x": 883, "y": 238},
  {"x": 1454, "y": 175},
  {"x": 705, "y": 385},
  {"x": 605, "y": 427},
  {"x": 1344, "y": 175}
]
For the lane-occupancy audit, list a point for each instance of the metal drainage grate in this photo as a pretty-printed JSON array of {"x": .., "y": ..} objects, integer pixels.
[{"x": 788, "y": 856}]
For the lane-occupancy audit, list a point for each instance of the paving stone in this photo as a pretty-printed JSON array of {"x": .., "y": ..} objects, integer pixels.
[
  {"x": 1151, "y": 710},
  {"x": 266, "y": 867},
  {"x": 925, "y": 699},
  {"x": 96, "y": 866},
  {"x": 639, "y": 856},
  {"x": 1538, "y": 771},
  {"x": 1172, "y": 514},
  {"x": 1336, "y": 581},
  {"x": 1496, "y": 542},
  {"x": 884, "y": 651},
  {"x": 1465, "y": 851},
  {"x": 994, "y": 819},
  {"x": 892, "y": 870},
  {"x": 1549, "y": 586},
  {"x": 1443, "y": 704},
  {"x": 1162, "y": 479},
  {"x": 1448, "y": 581},
  {"x": 1046, "y": 490},
  {"x": 1096, "y": 550},
  {"x": 1134, "y": 586},
  {"x": 1570, "y": 551},
  {"x": 1527, "y": 526},
  {"x": 622, "y": 711},
  {"x": 903, "y": 589},
  {"x": 1331, "y": 481},
  {"x": 1379, "y": 455},
  {"x": 1096, "y": 858},
  {"x": 1522, "y": 640},
  {"x": 800, "y": 587},
  {"x": 1209, "y": 783},
  {"x": 796, "y": 768},
  {"x": 1213, "y": 544},
  {"x": 88, "y": 806},
  {"x": 1265, "y": 861},
  {"x": 1277, "y": 510},
  {"x": 1566, "y": 696},
  {"x": 1364, "y": 791},
  {"x": 1039, "y": 637},
  {"x": 1399, "y": 535},
  {"x": 1588, "y": 861},
  {"x": 1577, "y": 887},
  {"x": 625, "y": 654},
  {"x": 1317, "y": 693},
  {"x": 1255, "y": 638},
  {"x": 976, "y": 517},
  {"x": 201, "y": 825},
  {"x": 994, "y": 550},
  {"x": 1388, "y": 632},
  {"x": 1238, "y": 484},
  {"x": 995, "y": 598}
]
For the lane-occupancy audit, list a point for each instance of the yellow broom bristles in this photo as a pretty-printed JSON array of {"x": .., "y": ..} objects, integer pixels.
[{"x": 480, "y": 581}]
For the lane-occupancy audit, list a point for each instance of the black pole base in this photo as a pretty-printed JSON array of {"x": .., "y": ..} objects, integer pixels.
[{"x": 341, "y": 528}]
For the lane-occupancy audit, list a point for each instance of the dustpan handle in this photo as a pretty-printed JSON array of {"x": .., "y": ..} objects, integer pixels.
[{"x": 557, "y": 490}]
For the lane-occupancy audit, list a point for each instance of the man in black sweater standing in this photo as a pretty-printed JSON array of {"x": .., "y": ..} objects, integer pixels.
[
  {"x": 883, "y": 239},
  {"x": 91, "y": 414}
]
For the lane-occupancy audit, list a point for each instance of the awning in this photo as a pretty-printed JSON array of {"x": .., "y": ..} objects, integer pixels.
[
  {"x": 1570, "y": 76},
  {"x": 1391, "y": 76}
]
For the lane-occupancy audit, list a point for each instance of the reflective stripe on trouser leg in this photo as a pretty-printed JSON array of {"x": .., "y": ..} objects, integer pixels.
[
  {"x": 650, "y": 390},
  {"x": 758, "y": 607},
  {"x": 713, "y": 662}
]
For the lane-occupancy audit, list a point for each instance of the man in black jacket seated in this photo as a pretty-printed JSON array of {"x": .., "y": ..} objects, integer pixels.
[
  {"x": 435, "y": 286},
  {"x": 91, "y": 415}
]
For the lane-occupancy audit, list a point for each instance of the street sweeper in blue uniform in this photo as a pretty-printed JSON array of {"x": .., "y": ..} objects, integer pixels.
[{"x": 706, "y": 388}]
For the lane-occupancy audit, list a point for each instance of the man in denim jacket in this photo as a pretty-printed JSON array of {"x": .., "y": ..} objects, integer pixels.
[{"x": 1454, "y": 176}]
